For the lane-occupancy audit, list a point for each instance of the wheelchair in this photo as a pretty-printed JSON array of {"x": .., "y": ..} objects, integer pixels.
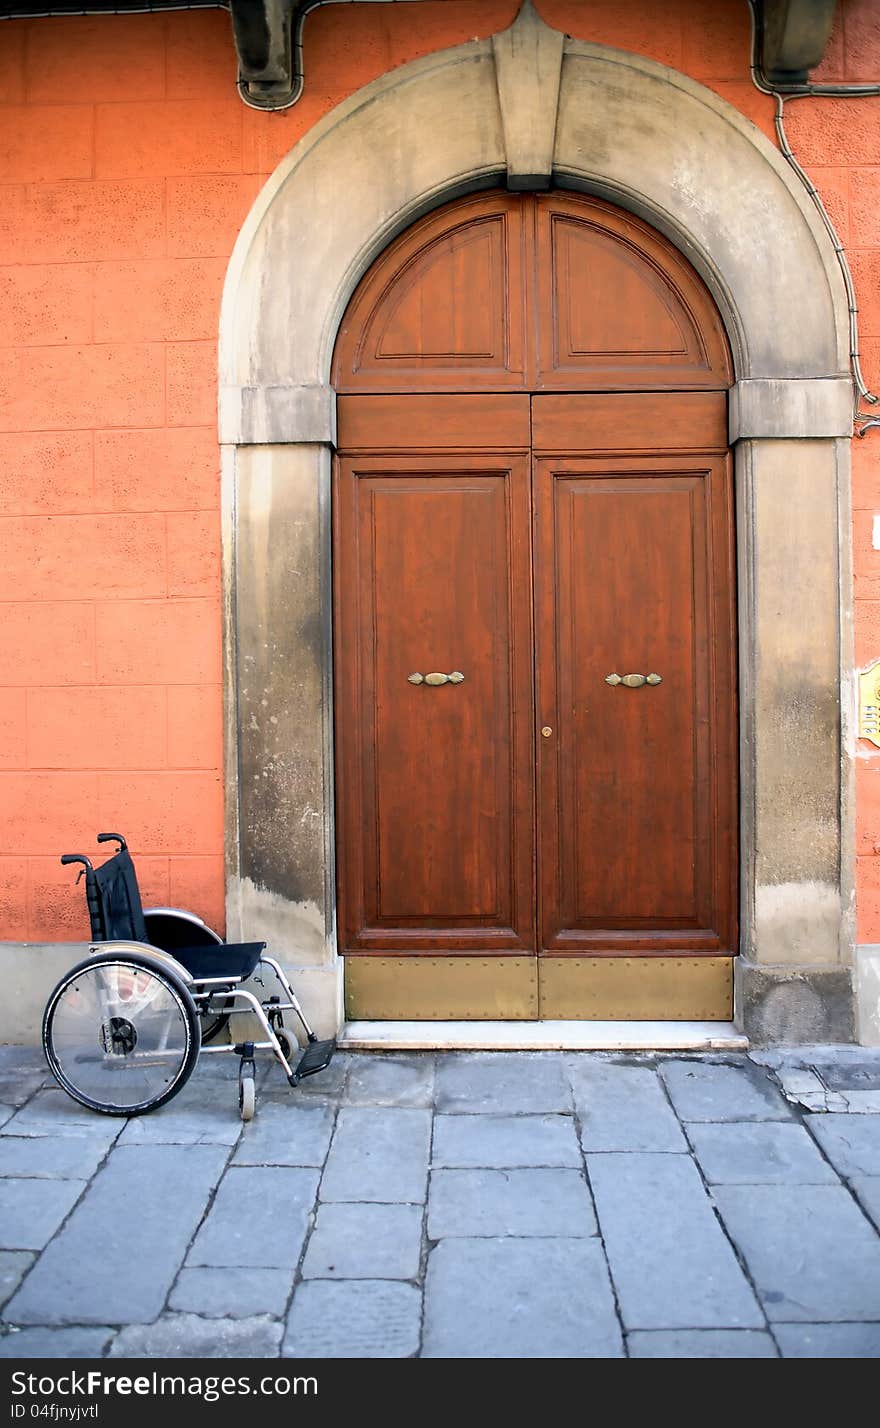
[{"x": 123, "y": 1029}]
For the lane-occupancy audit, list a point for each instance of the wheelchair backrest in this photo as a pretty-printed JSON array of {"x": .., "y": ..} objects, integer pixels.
[{"x": 114, "y": 900}]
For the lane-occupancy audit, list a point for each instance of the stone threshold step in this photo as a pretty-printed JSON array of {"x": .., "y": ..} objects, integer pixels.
[{"x": 541, "y": 1036}]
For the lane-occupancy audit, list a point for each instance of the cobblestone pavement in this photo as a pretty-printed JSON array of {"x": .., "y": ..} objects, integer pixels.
[{"x": 460, "y": 1205}]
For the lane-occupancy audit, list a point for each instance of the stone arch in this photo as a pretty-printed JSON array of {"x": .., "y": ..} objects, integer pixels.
[{"x": 534, "y": 108}]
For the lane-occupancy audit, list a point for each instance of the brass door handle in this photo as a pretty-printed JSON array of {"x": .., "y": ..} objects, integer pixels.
[
  {"x": 633, "y": 681},
  {"x": 456, "y": 677}
]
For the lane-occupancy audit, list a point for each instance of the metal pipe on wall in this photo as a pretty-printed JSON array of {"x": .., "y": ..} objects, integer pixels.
[{"x": 780, "y": 93}]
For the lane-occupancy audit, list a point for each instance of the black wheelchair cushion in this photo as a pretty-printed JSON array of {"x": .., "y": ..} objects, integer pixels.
[
  {"x": 224, "y": 959},
  {"x": 114, "y": 901}
]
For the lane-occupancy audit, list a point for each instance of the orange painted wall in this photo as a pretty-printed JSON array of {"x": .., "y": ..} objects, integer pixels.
[{"x": 127, "y": 165}]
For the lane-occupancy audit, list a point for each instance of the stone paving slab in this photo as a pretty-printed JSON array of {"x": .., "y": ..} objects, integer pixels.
[
  {"x": 115, "y": 1259},
  {"x": 701, "y": 1344},
  {"x": 51, "y": 1157},
  {"x": 16, "y": 1087},
  {"x": 828, "y": 1341},
  {"x": 856, "y": 1073},
  {"x": 857, "y": 1103},
  {"x": 6, "y": 1113},
  {"x": 259, "y": 1217},
  {"x": 623, "y": 1108},
  {"x": 519, "y": 1298},
  {"x": 356, "y": 1319},
  {"x": 852, "y": 1143},
  {"x": 32, "y": 1210},
  {"x": 671, "y": 1264},
  {"x": 827, "y": 1078},
  {"x": 502, "y": 1083},
  {"x": 365, "y": 1242},
  {"x": 325, "y": 1085},
  {"x": 21, "y": 1058},
  {"x": 391, "y": 1081},
  {"x": 759, "y": 1153},
  {"x": 52, "y": 1112},
  {"x": 867, "y": 1192},
  {"x": 707, "y": 1091},
  {"x": 297, "y": 1133},
  {"x": 500, "y": 1142},
  {"x": 206, "y": 1115},
  {"x": 531, "y": 1203},
  {"x": 802, "y": 1085},
  {"x": 70, "y": 1343},
  {"x": 813, "y": 1054},
  {"x": 231, "y": 1293},
  {"x": 186, "y": 1336},
  {"x": 811, "y": 1253},
  {"x": 378, "y": 1154},
  {"x": 14, "y": 1265}
]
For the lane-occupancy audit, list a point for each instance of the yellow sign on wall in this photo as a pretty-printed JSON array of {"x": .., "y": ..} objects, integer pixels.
[{"x": 869, "y": 704}]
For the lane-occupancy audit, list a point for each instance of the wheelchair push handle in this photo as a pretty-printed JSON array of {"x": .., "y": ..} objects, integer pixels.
[
  {"x": 76, "y": 858},
  {"x": 113, "y": 838}
]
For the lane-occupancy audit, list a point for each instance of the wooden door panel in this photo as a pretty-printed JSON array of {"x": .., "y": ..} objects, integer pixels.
[
  {"x": 598, "y": 422},
  {"x": 439, "y": 422},
  {"x": 435, "y": 781},
  {"x": 637, "y": 792},
  {"x": 617, "y": 305},
  {"x": 444, "y": 306}
]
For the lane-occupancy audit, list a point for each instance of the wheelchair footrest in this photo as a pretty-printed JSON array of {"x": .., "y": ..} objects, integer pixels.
[{"x": 316, "y": 1057}]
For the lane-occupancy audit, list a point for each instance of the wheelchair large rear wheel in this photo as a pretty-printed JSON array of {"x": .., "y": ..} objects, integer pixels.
[{"x": 120, "y": 1034}]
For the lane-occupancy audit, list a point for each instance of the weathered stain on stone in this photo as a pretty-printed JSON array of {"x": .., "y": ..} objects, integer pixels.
[
  {"x": 313, "y": 636},
  {"x": 282, "y": 850},
  {"x": 797, "y": 917},
  {"x": 294, "y": 929},
  {"x": 781, "y": 1007},
  {"x": 797, "y": 832}
]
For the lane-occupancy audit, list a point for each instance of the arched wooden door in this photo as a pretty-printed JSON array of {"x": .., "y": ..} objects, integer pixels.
[{"x": 534, "y": 623}]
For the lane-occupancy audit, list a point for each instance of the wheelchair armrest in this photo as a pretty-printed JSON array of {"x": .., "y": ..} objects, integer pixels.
[{"x": 175, "y": 912}]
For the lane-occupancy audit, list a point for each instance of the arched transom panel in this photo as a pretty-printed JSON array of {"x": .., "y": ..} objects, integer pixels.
[{"x": 535, "y": 292}]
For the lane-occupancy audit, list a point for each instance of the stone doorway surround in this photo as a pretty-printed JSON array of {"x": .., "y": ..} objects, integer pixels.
[{"x": 531, "y": 108}]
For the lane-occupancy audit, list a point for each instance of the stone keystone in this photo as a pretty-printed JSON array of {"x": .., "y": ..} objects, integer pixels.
[{"x": 528, "y": 67}]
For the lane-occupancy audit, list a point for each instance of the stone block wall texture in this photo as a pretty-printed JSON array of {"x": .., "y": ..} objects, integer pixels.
[{"x": 127, "y": 165}]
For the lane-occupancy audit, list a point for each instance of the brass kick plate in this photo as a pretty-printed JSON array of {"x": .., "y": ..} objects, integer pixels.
[
  {"x": 441, "y": 988},
  {"x": 571, "y": 988},
  {"x": 636, "y": 988},
  {"x": 869, "y": 704}
]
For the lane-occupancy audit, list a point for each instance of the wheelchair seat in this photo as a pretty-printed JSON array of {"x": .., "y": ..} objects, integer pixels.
[{"x": 229, "y": 959}]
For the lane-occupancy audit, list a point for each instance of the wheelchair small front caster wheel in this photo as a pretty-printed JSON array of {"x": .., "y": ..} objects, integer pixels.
[
  {"x": 284, "y": 1042},
  {"x": 247, "y": 1098},
  {"x": 247, "y": 1092}
]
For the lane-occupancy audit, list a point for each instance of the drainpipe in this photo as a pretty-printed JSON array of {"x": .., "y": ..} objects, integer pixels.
[
  {"x": 781, "y": 92},
  {"x": 269, "y": 41}
]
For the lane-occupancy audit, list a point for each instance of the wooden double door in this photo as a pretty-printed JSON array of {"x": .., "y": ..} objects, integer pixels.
[{"x": 534, "y": 627}]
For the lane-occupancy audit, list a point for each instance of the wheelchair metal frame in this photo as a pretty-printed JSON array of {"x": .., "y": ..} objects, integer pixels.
[
  {"x": 220, "y": 986},
  {"x": 115, "y": 902}
]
